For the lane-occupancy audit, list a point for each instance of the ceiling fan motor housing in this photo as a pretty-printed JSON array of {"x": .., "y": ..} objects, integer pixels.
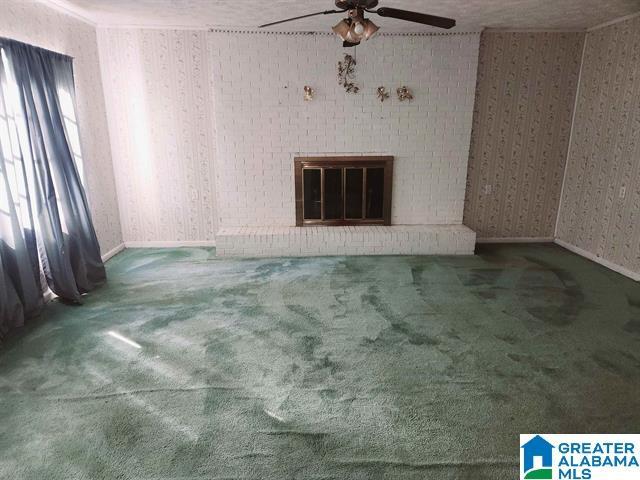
[
  {"x": 357, "y": 14},
  {"x": 356, "y": 4}
]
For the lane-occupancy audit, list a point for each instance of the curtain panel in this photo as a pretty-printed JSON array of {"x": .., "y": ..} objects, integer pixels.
[{"x": 47, "y": 238}]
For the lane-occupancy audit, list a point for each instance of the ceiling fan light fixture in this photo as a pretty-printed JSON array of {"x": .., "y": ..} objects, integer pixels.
[
  {"x": 370, "y": 29},
  {"x": 353, "y": 36},
  {"x": 355, "y": 28},
  {"x": 342, "y": 29}
]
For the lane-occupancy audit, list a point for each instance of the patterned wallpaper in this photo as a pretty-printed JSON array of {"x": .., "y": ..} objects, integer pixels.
[
  {"x": 162, "y": 132},
  {"x": 31, "y": 22},
  {"x": 600, "y": 210},
  {"x": 522, "y": 122}
]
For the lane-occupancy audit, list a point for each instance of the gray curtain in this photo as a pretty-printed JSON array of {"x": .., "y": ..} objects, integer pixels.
[{"x": 47, "y": 225}]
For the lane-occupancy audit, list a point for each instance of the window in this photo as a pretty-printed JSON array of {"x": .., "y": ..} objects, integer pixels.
[{"x": 17, "y": 160}]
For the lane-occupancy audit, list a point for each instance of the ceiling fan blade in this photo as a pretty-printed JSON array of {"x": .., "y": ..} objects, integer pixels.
[
  {"x": 346, "y": 44},
  {"x": 326, "y": 12},
  {"x": 423, "y": 18}
]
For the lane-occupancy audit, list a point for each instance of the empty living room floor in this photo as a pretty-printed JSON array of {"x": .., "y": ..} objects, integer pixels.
[{"x": 188, "y": 366}]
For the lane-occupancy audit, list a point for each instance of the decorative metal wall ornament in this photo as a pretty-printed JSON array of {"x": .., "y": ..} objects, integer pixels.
[
  {"x": 308, "y": 93},
  {"x": 404, "y": 94},
  {"x": 382, "y": 93},
  {"x": 351, "y": 88},
  {"x": 346, "y": 73}
]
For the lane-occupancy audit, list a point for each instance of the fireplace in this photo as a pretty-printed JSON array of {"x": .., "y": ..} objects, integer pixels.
[
  {"x": 336, "y": 191},
  {"x": 351, "y": 196}
]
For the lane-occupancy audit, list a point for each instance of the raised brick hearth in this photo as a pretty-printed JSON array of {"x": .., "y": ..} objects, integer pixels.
[{"x": 322, "y": 241}]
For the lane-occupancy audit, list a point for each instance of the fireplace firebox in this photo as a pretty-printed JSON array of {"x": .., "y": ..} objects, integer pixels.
[{"x": 343, "y": 190}]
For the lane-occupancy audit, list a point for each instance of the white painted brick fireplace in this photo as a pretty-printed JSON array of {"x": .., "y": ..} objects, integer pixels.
[{"x": 263, "y": 122}]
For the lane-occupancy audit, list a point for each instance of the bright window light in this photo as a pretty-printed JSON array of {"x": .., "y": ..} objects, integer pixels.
[
  {"x": 123, "y": 339},
  {"x": 71, "y": 127}
]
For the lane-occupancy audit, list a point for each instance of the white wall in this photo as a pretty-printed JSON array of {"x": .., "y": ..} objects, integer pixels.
[
  {"x": 34, "y": 23},
  {"x": 162, "y": 132},
  {"x": 263, "y": 121}
]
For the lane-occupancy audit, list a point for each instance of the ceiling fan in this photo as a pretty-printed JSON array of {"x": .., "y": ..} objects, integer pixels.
[{"x": 355, "y": 28}]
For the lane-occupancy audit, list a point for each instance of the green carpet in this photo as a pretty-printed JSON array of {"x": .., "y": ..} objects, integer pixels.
[{"x": 320, "y": 368}]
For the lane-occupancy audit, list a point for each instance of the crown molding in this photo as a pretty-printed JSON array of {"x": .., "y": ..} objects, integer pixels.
[
  {"x": 251, "y": 30},
  {"x": 134, "y": 26},
  {"x": 614, "y": 21},
  {"x": 65, "y": 7},
  {"x": 255, "y": 31},
  {"x": 534, "y": 30}
]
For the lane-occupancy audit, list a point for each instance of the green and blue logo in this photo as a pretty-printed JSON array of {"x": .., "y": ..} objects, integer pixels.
[
  {"x": 537, "y": 459},
  {"x": 580, "y": 457}
]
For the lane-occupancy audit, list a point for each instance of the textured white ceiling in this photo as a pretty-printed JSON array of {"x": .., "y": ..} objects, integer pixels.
[{"x": 470, "y": 14}]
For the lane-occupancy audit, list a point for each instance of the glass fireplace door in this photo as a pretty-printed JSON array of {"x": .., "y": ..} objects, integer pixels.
[
  {"x": 332, "y": 192},
  {"x": 354, "y": 193}
]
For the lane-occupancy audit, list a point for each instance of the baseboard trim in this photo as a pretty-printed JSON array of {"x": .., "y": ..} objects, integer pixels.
[
  {"x": 193, "y": 244},
  {"x": 113, "y": 252},
  {"x": 599, "y": 260},
  {"x": 515, "y": 240}
]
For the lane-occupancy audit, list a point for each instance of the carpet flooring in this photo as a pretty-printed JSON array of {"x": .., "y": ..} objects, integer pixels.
[{"x": 187, "y": 366}]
